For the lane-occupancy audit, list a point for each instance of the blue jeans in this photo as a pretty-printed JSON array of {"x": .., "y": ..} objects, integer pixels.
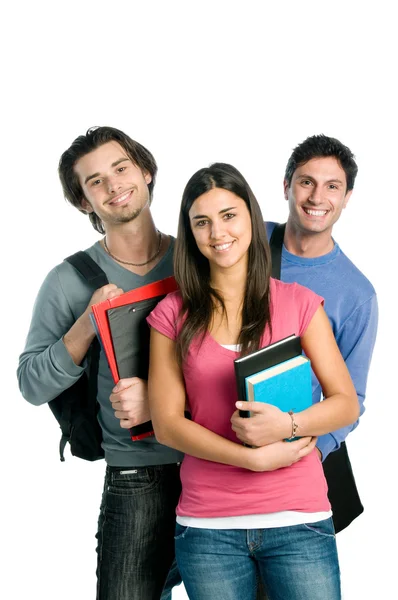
[
  {"x": 295, "y": 563},
  {"x": 136, "y": 533}
]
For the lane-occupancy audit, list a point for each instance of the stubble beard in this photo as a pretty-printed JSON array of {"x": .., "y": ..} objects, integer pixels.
[{"x": 129, "y": 215}]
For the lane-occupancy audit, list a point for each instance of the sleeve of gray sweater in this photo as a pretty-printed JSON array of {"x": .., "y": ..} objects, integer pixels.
[{"x": 45, "y": 367}]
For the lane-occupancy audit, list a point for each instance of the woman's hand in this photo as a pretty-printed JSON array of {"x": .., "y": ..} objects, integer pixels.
[
  {"x": 266, "y": 425},
  {"x": 280, "y": 454}
]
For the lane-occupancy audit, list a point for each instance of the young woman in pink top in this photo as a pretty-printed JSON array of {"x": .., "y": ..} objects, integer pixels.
[{"x": 243, "y": 510}]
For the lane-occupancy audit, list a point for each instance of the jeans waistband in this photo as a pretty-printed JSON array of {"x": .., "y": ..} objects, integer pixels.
[{"x": 141, "y": 467}]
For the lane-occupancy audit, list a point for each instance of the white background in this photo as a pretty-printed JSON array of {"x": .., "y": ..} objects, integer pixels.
[{"x": 239, "y": 82}]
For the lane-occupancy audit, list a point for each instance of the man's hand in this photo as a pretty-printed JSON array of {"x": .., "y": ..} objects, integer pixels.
[
  {"x": 79, "y": 337},
  {"x": 106, "y": 292},
  {"x": 267, "y": 424},
  {"x": 129, "y": 400}
]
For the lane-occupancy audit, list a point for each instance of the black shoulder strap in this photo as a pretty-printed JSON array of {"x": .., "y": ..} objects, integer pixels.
[
  {"x": 88, "y": 269},
  {"x": 96, "y": 277},
  {"x": 276, "y": 244}
]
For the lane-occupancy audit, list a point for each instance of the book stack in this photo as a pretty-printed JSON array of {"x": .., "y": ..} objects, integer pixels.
[{"x": 278, "y": 374}]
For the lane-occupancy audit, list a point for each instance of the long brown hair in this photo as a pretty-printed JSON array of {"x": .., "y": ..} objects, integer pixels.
[{"x": 192, "y": 269}]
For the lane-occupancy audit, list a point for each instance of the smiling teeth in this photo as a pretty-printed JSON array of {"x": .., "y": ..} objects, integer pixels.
[
  {"x": 223, "y": 246},
  {"x": 120, "y": 199},
  {"x": 315, "y": 213}
]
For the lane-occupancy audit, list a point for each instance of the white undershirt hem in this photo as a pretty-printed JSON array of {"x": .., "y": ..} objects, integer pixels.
[{"x": 285, "y": 518}]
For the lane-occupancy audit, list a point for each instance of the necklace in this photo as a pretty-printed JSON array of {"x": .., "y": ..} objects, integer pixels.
[{"x": 124, "y": 262}]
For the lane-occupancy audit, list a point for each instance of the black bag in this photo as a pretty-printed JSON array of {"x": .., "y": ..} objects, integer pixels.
[
  {"x": 342, "y": 489},
  {"x": 76, "y": 408}
]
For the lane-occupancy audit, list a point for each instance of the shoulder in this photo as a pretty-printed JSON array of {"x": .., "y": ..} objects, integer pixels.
[
  {"x": 65, "y": 288},
  {"x": 293, "y": 307},
  {"x": 269, "y": 228},
  {"x": 172, "y": 301},
  {"x": 63, "y": 277},
  {"x": 165, "y": 315},
  {"x": 357, "y": 283},
  {"x": 291, "y": 292}
]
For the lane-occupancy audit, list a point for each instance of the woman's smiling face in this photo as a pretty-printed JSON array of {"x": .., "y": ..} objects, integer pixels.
[{"x": 221, "y": 225}]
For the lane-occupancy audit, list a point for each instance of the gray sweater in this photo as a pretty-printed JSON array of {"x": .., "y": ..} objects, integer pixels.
[{"x": 46, "y": 368}]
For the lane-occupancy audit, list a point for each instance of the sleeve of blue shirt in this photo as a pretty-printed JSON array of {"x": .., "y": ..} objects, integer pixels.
[{"x": 356, "y": 340}]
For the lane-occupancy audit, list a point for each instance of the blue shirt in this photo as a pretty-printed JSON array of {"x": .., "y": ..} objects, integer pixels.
[{"x": 351, "y": 305}]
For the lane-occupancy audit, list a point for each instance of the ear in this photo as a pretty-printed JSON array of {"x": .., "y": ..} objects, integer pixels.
[
  {"x": 346, "y": 199},
  {"x": 147, "y": 177},
  {"x": 285, "y": 189},
  {"x": 86, "y": 206}
]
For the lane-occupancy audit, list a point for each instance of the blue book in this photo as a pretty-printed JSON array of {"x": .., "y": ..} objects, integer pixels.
[{"x": 286, "y": 385}]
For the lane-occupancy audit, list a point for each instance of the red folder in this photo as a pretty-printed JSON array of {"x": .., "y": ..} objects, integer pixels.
[{"x": 134, "y": 299}]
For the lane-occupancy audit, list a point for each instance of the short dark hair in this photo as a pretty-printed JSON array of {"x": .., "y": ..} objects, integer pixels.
[
  {"x": 192, "y": 270},
  {"x": 82, "y": 145},
  {"x": 319, "y": 146}
]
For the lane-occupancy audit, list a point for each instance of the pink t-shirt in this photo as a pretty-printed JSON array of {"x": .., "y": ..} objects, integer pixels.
[{"x": 215, "y": 490}]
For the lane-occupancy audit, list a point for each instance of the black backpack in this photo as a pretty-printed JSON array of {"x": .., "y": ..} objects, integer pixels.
[
  {"x": 76, "y": 408},
  {"x": 342, "y": 489}
]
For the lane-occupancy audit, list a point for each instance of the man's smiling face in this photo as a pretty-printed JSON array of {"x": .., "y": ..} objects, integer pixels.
[
  {"x": 113, "y": 186},
  {"x": 317, "y": 195}
]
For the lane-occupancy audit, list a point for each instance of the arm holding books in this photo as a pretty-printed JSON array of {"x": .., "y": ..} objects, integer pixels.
[
  {"x": 50, "y": 363},
  {"x": 79, "y": 337},
  {"x": 339, "y": 408},
  {"x": 167, "y": 404}
]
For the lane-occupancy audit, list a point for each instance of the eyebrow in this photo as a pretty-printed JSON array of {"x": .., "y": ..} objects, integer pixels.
[
  {"x": 114, "y": 164},
  {"x": 329, "y": 181},
  {"x": 224, "y": 210}
]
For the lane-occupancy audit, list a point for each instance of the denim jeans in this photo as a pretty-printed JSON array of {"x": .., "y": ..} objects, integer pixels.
[
  {"x": 295, "y": 563},
  {"x": 136, "y": 533}
]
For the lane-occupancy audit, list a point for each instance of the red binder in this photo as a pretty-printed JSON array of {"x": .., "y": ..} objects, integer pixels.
[{"x": 138, "y": 303}]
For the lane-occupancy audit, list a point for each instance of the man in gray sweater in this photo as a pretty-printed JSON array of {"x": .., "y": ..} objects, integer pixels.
[{"x": 110, "y": 177}]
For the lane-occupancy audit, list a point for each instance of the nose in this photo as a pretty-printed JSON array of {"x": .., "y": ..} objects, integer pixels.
[
  {"x": 316, "y": 195},
  {"x": 217, "y": 230},
  {"x": 113, "y": 185}
]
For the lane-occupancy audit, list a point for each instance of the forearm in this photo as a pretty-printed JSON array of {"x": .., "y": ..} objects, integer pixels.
[
  {"x": 195, "y": 440},
  {"x": 331, "y": 441},
  {"x": 45, "y": 373},
  {"x": 79, "y": 337},
  {"x": 334, "y": 413},
  {"x": 59, "y": 336}
]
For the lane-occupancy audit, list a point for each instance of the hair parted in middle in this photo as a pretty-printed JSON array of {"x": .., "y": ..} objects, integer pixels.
[{"x": 192, "y": 269}]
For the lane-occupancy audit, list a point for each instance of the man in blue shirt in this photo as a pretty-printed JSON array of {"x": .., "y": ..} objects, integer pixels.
[{"x": 318, "y": 184}]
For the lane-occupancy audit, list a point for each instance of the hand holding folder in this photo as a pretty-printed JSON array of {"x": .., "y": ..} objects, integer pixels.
[{"x": 122, "y": 329}]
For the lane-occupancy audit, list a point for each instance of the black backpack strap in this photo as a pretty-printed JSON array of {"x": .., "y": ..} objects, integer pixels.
[
  {"x": 95, "y": 276},
  {"x": 88, "y": 269},
  {"x": 276, "y": 244}
]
